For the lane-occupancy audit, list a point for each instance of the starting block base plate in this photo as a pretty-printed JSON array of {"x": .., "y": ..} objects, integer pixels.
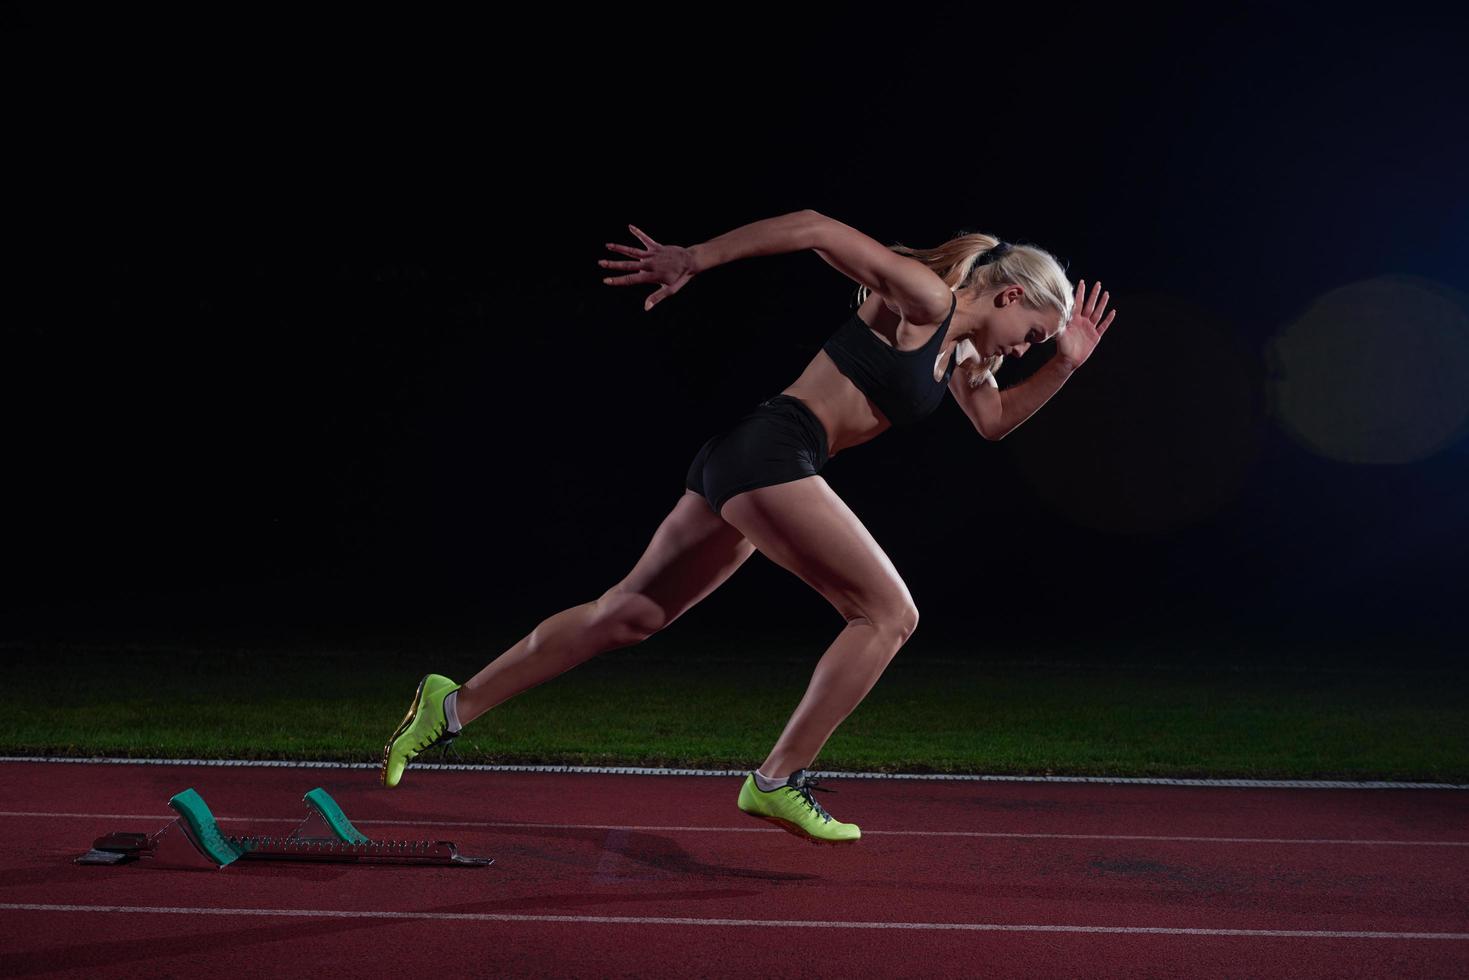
[{"x": 325, "y": 835}]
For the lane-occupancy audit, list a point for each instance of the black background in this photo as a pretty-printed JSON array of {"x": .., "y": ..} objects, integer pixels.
[{"x": 306, "y": 340}]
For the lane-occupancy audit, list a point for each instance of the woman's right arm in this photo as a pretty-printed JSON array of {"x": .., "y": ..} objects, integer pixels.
[
  {"x": 792, "y": 232},
  {"x": 672, "y": 266},
  {"x": 919, "y": 293}
]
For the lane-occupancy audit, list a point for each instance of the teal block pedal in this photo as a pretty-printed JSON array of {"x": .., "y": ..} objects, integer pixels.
[
  {"x": 199, "y": 825},
  {"x": 333, "y": 820}
]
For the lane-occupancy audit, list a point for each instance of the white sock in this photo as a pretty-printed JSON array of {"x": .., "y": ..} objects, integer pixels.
[
  {"x": 451, "y": 713},
  {"x": 767, "y": 784}
]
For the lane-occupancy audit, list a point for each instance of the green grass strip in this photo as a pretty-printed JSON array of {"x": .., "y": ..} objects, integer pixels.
[{"x": 665, "y": 704}]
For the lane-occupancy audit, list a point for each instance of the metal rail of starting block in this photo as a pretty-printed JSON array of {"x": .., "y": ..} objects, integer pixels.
[{"x": 194, "y": 839}]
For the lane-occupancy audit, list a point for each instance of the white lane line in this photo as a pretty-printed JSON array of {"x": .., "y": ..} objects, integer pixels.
[
  {"x": 1201, "y": 840},
  {"x": 662, "y": 920},
  {"x": 513, "y": 825},
  {"x": 654, "y": 771}
]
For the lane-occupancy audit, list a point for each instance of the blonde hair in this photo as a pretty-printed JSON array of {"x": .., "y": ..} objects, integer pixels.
[{"x": 1045, "y": 283}]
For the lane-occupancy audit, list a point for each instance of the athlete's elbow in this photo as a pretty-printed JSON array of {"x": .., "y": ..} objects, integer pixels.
[
  {"x": 990, "y": 429},
  {"x": 816, "y": 224}
]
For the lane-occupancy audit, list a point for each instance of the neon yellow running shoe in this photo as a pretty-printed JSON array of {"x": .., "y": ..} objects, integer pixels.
[
  {"x": 792, "y": 808},
  {"x": 423, "y": 727}
]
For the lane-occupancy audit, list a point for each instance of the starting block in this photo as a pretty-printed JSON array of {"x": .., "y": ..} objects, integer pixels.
[{"x": 194, "y": 839}]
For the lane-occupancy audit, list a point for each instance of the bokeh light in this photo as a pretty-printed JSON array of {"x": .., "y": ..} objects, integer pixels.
[{"x": 1374, "y": 372}]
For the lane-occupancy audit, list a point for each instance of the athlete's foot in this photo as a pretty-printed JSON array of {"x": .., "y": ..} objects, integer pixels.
[
  {"x": 791, "y": 807},
  {"x": 423, "y": 727}
]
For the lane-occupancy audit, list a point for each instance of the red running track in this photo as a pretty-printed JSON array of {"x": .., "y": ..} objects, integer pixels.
[{"x": 662, "y": 876}]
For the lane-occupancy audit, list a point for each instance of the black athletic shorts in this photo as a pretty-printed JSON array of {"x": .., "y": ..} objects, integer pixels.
[{"x": 781, "y": 440}]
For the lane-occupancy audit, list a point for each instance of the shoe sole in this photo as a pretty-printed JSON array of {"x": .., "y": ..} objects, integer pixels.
[
  {"x": 407, "y": 720},
  {"x": 798, "y": 830}
]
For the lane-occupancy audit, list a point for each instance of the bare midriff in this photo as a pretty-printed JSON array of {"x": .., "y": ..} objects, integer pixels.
[
  {"x": 849, "y": 418},
  {"x": 848, "y": 415}
]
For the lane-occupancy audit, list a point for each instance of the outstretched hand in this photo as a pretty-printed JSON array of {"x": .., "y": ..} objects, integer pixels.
[
  {"x": 1085, "y": 328},
  {"x": 670, "y": 265}
]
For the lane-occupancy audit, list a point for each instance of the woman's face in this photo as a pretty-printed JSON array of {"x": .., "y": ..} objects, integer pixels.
[{"x": 1014, "y": 327}]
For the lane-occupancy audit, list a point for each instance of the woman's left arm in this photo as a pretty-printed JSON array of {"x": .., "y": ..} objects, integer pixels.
[
  {"x": 1074, "y": 344},
  {"x": 1021, "y": 401}
]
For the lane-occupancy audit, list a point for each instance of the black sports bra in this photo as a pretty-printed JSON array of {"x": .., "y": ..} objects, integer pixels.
[{"x": 899, "y": 382}]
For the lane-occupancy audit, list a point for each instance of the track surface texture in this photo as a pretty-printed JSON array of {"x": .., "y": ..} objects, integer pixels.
[{"x": 602, "y": 875}]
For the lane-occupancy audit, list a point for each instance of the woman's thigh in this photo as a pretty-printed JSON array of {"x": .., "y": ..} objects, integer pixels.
[
  {"x": 691, "y": 554},
  {"x": 804, "y": 527}
]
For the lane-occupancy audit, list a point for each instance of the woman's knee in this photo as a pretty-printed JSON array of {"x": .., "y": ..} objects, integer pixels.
[
  {"x": 908, "y": 621},
  {"x": 897, "y": 619},
  {"x": 623, "y": 618}
]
